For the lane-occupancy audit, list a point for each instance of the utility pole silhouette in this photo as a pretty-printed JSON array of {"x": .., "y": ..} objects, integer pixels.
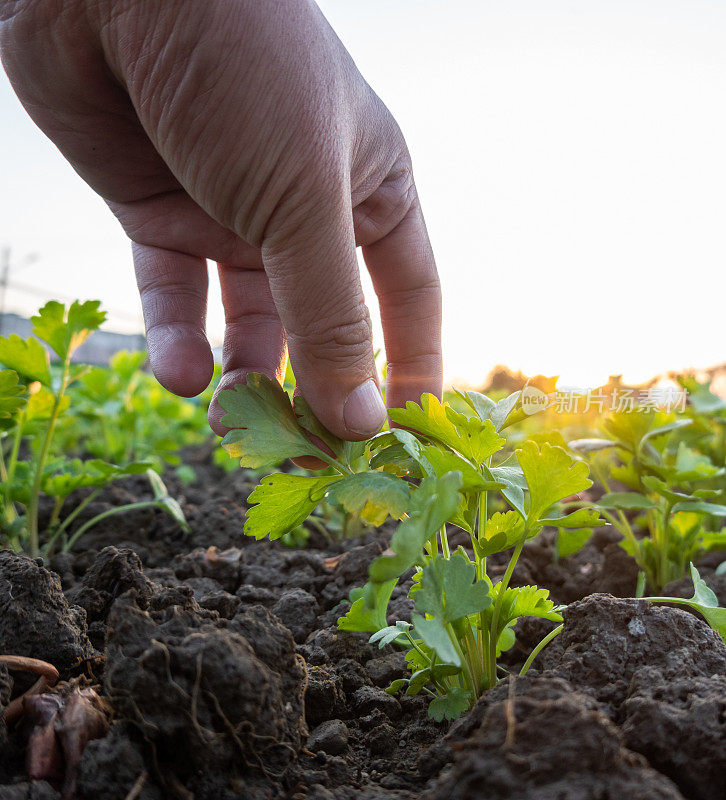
[{"x": 5, "y": 276}]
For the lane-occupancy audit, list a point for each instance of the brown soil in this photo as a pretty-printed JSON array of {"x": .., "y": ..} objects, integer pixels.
[{"x": 227, "y": 677}]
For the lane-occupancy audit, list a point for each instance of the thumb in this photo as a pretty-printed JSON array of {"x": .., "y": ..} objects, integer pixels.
[{"x": 314, "y": 278}]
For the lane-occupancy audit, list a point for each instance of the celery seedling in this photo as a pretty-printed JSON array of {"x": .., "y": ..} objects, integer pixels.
[
  {"x": 672, "y": 488},
  {"x": 29, "y": 413},
  {"x": 450, "y": 470}
]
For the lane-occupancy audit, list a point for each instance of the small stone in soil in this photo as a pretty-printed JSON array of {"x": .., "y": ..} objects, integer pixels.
[
  {"x": 383, "y": 671},
  {"x": 324, "y": 696},
  {"x": 369, "y": 698},
  {"x": 330, "y": 736},
  {"x": 298, "y": 610},
  {"x": 373, "y": 719},
  {"x": 352, "y": 675},
  {"x": 382, "y": 740},
  {"x": 255, "y": 595}
]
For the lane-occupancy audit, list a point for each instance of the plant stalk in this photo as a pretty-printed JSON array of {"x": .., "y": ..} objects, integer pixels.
[
  {"x": 103, "y": 515},
  {"x": 538, "y": 649},
  {"x": 493, "y": 630},
  {"x": 33, "y": 541}
]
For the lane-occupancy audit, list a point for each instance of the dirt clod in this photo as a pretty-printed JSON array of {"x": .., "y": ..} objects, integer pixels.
[
  {"x": 606, "y": 640},
  {"x": 36, "y": 620},
  {"x": 330, "y": 736},
  {"x": 207, "y": 694},
  {"x": 530, "y": 748},
  {"x": 680, "y": 726}
]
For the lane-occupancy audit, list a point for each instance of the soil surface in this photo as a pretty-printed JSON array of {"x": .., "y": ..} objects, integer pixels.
[{"x": 222, "y": 674}]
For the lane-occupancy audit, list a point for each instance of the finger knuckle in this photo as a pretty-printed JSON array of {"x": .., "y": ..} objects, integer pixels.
[
  {"x": 339, "y": 343},
  {"x": 383, "y": 210}
]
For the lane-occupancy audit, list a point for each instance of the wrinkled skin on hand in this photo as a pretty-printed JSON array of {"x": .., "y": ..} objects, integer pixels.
[{"x": 242, "y": 132}]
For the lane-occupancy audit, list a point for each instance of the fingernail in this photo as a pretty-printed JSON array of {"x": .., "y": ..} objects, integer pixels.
[{"x": 364, "y": 411}]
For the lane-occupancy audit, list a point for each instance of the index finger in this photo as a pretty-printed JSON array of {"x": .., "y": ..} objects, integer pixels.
[{"x": 406, "y": 281}]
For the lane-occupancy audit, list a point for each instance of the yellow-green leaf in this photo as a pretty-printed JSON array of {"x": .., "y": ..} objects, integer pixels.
[
  {"x": 12, "y": 393},
  {"x": 374, "y": 496},
  {"x": 264, "y": 428},
  {"x": 27, "y": 357},
  {"x": 472, "y": 437},
  {"x": 281, "y": 502},
  {"x": 551, "y": 475},
  {"x": 65, "y": 330}
]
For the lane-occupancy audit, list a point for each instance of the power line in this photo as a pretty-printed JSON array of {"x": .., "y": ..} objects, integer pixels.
[{"x": 36, "y": 291}]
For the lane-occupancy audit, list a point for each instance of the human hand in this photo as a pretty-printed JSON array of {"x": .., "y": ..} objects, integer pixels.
[{"x": 241, "y": 131}]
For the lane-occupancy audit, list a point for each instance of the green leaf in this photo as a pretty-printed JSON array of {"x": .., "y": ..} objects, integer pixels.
[
  {"x": 661, "y": 488},
  {"x": 551, "y": 474},
  {"x": 76, "y": 474},
  {"x": 582, "y": 518},
  {"x": 449, "y": 590},
  {"x": 444, "y": 461},
  {"x": 503, "y": 409},
  {"x": 701, "y": 507},
  {"x": 388, "y": 635},
  {"x": 626, "y": 501},
  {"x": 431, "y": 505},
  {"x": 451, "y": 706},
  {"x": 12, "y": 393},
  {"x": 570, "y": 542},
  {"x": 418, "y": 680},
  {"x": 660, "y": 430},
  {"x": 478, "y": 402},
  {"x": 310, "y": 423},
  {"x": 704, "y": 601},
  {"x": 525, "y": 601},
  {"x": 401, "y": 453},
  {"x": 282, "y": 502},
  {"x": 368, "y": 615},
  {"x": 264, "y": 428},
  {"x": 471, "y": 437},
  {"x": 712, "y": 541},
  {"x": 66, "y": 330},
  {"x": 412, "y": 446},
  {"x": 40, "y": 404},
  {"x": 26, "y": 356},
  {"x": 434, "y": 635},
  {"x": 703, "y": 400},
  {"x": 501, "y": 532},
  {"x": 372, "y": 495},
  {"x": 165, "y": 501},
  {"x": 127, "y": 363},
  {"x": 693, "y": 466},
  {"x": 628, "y": 428},
  {"x": 590, "y": 445},
  {"x": 514, "y": 482}
]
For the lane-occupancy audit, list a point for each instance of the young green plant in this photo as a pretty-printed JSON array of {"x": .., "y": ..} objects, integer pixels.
[
  {"x": 448, "y": 468},
  {"x": 29, "y": 415},
  {"x": 673, "y": 491}
]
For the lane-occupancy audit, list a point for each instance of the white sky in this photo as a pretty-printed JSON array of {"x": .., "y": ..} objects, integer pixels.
[{"x": 570, "y": 156}]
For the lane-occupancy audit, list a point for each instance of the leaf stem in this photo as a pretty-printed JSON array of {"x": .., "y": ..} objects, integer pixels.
[
  {"x": 33, "y": 541},
  {"x": 538, "y": 649},
  {"x": 77, "y": 510},
  {"x": 663, "y": 560},
  {"x": 444, "y": 542},
  {"x": 104, "y": 515},
  {"x": 481, "y": 571},
  {"x": 493, "y": 630},
  {"x": 13, "y": 460},
  {"x": 335, "y": 464}
]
